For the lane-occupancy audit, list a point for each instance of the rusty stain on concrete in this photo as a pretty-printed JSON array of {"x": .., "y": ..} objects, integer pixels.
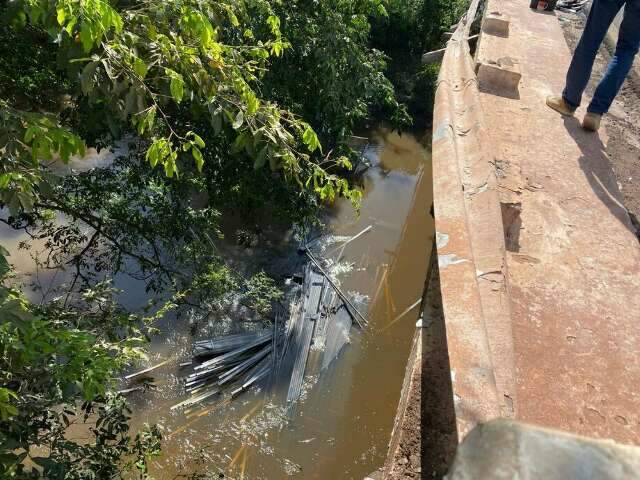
[
  {"x": 574, "y": 279},
  {"x": 477, "y": 310},
  {"x": 550, "y": 254}
]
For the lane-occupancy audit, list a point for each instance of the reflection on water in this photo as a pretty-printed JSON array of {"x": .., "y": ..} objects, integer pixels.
[
  {"x": 342, "y": 426},
  {"x": 42, "y": 282},
  {"x": 92, "y": 159}
]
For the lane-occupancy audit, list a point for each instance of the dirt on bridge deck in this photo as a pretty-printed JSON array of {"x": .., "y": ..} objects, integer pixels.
[
  {"x": 572, "y": 260},
  {"x": 622, "y": 124}
]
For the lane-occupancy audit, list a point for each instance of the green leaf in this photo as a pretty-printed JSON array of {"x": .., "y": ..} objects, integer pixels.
[
  {"x": 19, "y": 20},
  {"x": 70, "y": 25},
  {"x": 10, "y": 410},
  {"x": 152, "y": 155},
  {"x": 198, "y": 140},
  {"x": 26, "y": 201},
  {"x": 60, "y": 15},
  {"x": 116, "y": 20},
  {"x": 86, "y": 36},
  {"x": 14, "y": 205},
  {"x": 30, "y": 133},
  {"x": 140, "y": 67},
  {"x": 232, "y": 17},
  {"x": 344, "y": 162},
  {"x": 261, "y": 159},
  {"x": 4, "y": 269},
  {"x": 170, "y": 168},
  {"x": 239, "y": 120},
  {"x": 274, "y": 24},
  {"x": 310, "y": 139},
  {"x": 240, "y": 142},
  {"x": 207, "y": 33},
  {"x": 276, "y": 48},
  {"x": 5, "y": 178},
  {"x": 253, "y": 104},
  {"x": 147, "y": 120},
  {"x": 176, "y": 86},
  {"x": 197, "y": 155}
]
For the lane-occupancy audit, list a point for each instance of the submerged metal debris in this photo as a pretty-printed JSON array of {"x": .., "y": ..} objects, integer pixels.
[{"x": 320, "y": 315}]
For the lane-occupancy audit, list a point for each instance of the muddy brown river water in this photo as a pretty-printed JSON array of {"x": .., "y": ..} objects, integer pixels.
[{"x": 342, "y": 425}]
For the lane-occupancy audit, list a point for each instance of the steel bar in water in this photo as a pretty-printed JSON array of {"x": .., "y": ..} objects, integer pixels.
[
  {"x": 225, "y": 344},
  {"x": 328, "y": 301},
  {"x": 293, "y": 315},
  {"x": 316, "y": 287},
  {"x": 127, "y": 391},
  {"x": 391, "y": 305},
  {"x": 356, "y": 313},
  {"x": 216, "y": 360},
  {"x": 195, "y": 386},
  {"x": 275, "y": 338},
  {"x": 235, "y": 371},
  {"x": 297, "y": 376},
  {"x": 261, "y": 372},
  {"x": 224, "y": 362},
  {"x": 383, "y": 279},
  {"x": 203, "y": 379},
  {"x": 315, "y": 283},
  {"x": 216, "y": 369},
  {"x": 146, "y": 370},
  {"x": 355, "y": 237},
  {"x": 237, "y": 455},
  {"x": 295, "y": 325},
  {"x": 243, "y": 358},
  {"x": 399, "y": 317},
  {"x": 193, "y": 400}
]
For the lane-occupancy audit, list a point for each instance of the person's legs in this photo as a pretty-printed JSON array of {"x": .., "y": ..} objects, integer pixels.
[
  {"x": 602, "y": 14},
  {"x": 626, "y": 49}
]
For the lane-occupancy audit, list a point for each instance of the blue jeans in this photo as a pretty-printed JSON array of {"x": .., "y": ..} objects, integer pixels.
[{"x": 602, "y": 14}]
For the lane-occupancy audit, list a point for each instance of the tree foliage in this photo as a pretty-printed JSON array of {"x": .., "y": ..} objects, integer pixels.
[
  {"x": 411, "y": 28},
  {"x": 57, "y": 368},
  {"x": 339, "y": 78},
  {"x": 199, "y": 57}
]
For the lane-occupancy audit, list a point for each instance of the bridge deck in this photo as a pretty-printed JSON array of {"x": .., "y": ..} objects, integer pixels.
[
  {"x": 565, "y": 347},
  {"x": 574, "y": 262}
]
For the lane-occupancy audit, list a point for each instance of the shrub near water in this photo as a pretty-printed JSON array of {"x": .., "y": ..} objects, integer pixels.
[{"x": 412, "y": 28}]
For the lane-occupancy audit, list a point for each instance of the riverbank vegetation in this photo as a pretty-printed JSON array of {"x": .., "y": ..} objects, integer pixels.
[{"x": 212, "y": 109}]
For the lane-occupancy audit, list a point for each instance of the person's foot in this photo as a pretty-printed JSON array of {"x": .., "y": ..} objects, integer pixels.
[
  {"x": 591, "y": 121},
  {"x": 559, "y": 105}
]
